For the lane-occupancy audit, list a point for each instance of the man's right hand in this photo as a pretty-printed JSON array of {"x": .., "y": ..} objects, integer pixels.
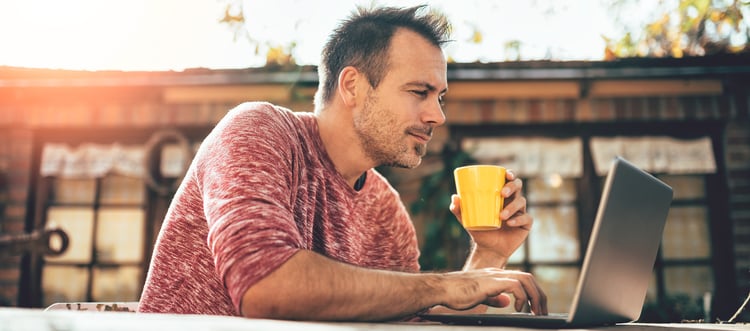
[
  {"x": 310, "y": 286},
  {"x": 491, "y": 286}
]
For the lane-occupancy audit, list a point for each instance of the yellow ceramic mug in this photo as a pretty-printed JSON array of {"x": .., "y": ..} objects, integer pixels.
[{"x": 479, "y": 188}]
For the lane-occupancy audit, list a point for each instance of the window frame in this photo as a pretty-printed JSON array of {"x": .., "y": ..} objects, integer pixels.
[
  {"x": 155, "y": 205},
  {"x": 97, "y": 206},
  {"x": 589, "y": 188}
]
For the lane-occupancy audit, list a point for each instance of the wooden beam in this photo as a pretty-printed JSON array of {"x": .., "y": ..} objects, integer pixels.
[
  {"x": 628, "y": 88},
  {"x": 512, "y": 90},
  {"x": 231, "y": 93},
  {"x": 462, "y": 90}
]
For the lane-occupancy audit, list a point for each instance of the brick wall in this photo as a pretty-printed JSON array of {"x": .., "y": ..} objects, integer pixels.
[
  {"x": 15, "y": 164},
  {"x": 737, "y": 158},
  {"x": 738, "y": 171}
]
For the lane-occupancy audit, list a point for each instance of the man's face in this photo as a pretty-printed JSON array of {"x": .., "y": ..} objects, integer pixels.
[{"x": 398, "y": 117}]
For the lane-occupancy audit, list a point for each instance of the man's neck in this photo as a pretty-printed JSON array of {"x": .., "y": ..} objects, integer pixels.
[{"x": 342, "y": 145}]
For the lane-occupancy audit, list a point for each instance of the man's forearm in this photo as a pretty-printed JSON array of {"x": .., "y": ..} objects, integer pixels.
[{"x": 312, "y": 287}]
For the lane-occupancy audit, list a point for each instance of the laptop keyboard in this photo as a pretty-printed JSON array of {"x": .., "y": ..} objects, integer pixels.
[{"x": 551, "y": 315}]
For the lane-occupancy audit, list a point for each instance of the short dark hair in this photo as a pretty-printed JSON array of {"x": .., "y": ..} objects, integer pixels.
[{"x": 363, "y": 41}]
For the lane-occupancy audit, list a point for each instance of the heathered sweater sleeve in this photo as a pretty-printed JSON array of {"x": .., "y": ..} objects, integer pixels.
[{"x": 245, "y": 180}]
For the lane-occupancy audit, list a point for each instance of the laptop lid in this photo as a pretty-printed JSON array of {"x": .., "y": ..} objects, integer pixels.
[
  {"x": 622, "y": 248},
  {"x": 619, "y": 259}
]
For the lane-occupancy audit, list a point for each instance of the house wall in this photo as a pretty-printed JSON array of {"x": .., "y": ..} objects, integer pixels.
[{"x": 25, "y": 112}]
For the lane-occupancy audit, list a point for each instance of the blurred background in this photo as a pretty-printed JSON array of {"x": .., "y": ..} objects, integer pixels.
[{"x": 103, "y": 103}]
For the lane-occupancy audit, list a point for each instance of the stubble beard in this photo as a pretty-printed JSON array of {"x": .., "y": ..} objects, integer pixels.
[{"x": 380, "y": 140}]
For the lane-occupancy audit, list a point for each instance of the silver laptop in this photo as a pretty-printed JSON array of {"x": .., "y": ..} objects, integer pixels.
[{"x": 619, "y": 259}]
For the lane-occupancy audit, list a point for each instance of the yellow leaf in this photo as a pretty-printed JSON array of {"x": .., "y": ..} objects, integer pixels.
[
  {"x": 476, "y": 37},
  {"x": 609, "y": 55},
  {"x": 715, "y": 16},
  {"x": 677, "y": 52}
]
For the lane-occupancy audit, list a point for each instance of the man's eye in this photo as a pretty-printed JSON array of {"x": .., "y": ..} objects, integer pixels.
[{"x": 420, "y": 93}]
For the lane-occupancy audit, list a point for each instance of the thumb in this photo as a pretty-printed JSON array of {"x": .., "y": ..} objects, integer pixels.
[{"x": 500, "y": 301}]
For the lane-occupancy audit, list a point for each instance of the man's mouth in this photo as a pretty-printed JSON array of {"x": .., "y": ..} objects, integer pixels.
[{"x": 423, "y": 135}]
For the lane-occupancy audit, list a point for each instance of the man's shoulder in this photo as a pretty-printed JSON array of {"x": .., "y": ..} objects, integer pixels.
[
  {"x": 258, "y": 114},
  {"x": 260, "y": 109}
]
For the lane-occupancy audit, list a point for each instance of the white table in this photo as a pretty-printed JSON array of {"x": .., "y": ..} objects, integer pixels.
[{"x": 16, "y": 319}]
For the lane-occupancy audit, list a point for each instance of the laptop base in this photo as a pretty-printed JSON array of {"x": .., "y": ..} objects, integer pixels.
[{"x": 521, "y": 320}]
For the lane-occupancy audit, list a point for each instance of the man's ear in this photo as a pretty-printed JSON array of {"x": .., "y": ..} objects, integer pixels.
[{"x": 348, "y": 85}]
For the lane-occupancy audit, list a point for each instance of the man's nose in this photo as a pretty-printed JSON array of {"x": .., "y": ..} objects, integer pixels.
[{"x": 434, "y": 114}]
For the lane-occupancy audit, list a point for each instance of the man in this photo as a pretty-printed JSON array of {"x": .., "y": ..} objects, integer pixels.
[{"x": 281, "y": 214}]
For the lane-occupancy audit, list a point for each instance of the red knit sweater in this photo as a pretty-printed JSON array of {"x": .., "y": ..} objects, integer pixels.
[{"x": 260, "y": 188}]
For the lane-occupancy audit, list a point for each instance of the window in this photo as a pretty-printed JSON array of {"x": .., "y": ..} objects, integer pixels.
[
  {"x": 553, "y": 247},
  {"x": 563, "y": 202},
  {"x": 683, "y": 270},
  {"x": 105, "y": 219},
  {"x": 96, "y": 187},
  {"x": 685, "y": 259},
  {"x": 551, "y": 170}
]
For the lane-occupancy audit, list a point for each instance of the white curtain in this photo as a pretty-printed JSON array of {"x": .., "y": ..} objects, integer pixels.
[
  {"x": 529, "y": 156},
  {"x": 92, "y": 160},
  {"x": 656, "y": 154},
  {"x": 98, "y": 160},
  {"x": 538, "y": 156}
]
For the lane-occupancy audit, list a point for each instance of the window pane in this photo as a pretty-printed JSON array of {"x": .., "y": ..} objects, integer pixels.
[
  {"x": 73, "y": 190},
  {"x": 686, "y": 233},
  {"x": 519, "y": 255},
  {"x": 116, "y": 284},
  {"x": 691, "y": 280},
  {"x": 559, "y": 284},
  {"x": 686, "y": 187},
  {"x": 63, "y": 284},
  {"x": 550, "y": 189},
  {"x": 121, "y": 190},
  {"x": 120, "y": 235},
  {"x": 78, "y": 223},
  {"x": 555, "y": 235}
]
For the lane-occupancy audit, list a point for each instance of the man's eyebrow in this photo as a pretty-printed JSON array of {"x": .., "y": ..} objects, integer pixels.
[{"x": 425, "y": 85}]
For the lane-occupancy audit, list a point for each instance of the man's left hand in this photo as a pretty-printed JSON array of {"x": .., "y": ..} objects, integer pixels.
[{"x": 516, "y": 223}]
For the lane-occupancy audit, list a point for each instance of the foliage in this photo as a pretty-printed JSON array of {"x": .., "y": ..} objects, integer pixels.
[
  {"x": 446, "y": 243},
  {"x": 686, "y": 28},
  {"x": 234, "y": 18},
  {"x": 512, "y": 50},
  {"x": 277, "y": 55}
]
